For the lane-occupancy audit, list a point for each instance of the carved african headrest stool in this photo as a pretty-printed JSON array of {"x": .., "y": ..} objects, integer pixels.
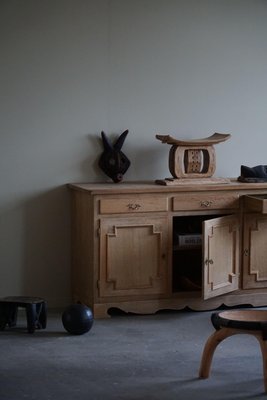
[{"x": 193, "y": 158}]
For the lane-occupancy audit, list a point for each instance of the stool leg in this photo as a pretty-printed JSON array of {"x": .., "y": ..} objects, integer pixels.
[
  {"x": 31, "y": 317},
  {"x": 41, "y": 311},
  {"x": 3, "y": 317},
  {"x": 43, "y": 315},
  {"x": 263, "y": 346},
  {"x": 12, "y": 315},
  {"x": 209, "y": 349},
  {"x": 8, "y": 315}
]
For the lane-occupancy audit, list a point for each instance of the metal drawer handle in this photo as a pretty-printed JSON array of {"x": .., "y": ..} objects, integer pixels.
[
  {"x": 133, "y": 206},
  {"x": 206, "y": 203},
  {"x": 208, "y": 261}
]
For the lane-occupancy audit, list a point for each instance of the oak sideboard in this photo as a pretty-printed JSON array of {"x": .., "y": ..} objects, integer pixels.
[{"x": 142, "y": 247}]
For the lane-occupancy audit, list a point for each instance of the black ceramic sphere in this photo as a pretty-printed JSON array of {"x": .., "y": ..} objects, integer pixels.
[{"x": 77, "y": 319}]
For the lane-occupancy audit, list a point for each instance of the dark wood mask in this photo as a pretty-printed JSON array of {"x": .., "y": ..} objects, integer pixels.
[{"x": 113, "y": 161}]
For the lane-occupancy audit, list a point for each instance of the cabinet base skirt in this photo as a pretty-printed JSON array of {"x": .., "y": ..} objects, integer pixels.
[{"x": 101, "y": 310}]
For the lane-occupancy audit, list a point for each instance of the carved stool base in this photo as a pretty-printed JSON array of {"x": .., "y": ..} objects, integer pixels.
[{"x": 229, "y": 323}]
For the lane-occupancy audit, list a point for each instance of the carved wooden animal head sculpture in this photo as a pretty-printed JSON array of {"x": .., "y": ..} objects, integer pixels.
[{"x": 113, "y": 161}]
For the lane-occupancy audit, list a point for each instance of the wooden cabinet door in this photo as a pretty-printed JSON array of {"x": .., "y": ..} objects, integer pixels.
[
  {"x": 221, "y": 256},
  {"x": 255, "y": 251},
  {"x": 133, "y": 256}
]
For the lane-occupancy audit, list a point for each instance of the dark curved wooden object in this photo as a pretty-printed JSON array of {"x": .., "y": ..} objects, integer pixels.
[
  {"x": 247, "y": 320},
  {"x": 35, "y": 307}
]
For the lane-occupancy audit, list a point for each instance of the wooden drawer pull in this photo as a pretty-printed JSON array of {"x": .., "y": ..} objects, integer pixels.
[
  {"x": 133, "y": 206},
  {"x": 246, "y": 252},
  {"x": 206, "y": 203}
]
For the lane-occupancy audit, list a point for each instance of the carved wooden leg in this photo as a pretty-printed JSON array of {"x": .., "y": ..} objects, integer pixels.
[
  {"x": 210, "y": 347},
  {"x": 31, "y": 317},
  {"x": 43, "y": 315},
  {"x": 100, "y": 311},
  {"x": 263, "y": 346}
]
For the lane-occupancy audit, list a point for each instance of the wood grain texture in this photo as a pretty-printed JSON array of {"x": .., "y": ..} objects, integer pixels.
[{"x": 123, "y": 255}]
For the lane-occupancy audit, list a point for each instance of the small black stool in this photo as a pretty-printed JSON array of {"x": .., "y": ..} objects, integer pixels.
[{"x": 36, "y": 312}]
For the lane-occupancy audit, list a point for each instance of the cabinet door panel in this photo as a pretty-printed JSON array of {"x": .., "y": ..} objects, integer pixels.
[
  {"x": 255, "y": 251},
  {"x": 221, "y": 256},
  {"x": 133, "y": 256}
]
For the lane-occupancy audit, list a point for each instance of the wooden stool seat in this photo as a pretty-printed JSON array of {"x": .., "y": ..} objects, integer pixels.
[
  {"x": 36, "y": 312},
  {"x": 229, "y": 323}
]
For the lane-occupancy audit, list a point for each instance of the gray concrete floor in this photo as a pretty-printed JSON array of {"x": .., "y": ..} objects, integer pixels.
[{"x": 154, "y": 357}]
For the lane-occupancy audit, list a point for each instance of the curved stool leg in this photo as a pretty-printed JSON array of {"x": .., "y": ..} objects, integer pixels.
[
  {"x": 216, "y": 338},
  {"x": 228, "y": 323},
  {"x": 31, "y": 317},
  {"x": 43, "y": 315},
  {"x": 263, "y": 346}
]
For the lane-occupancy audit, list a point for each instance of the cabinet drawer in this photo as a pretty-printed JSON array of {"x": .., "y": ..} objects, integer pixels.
[
  {"x": 132, "y": 205},
  {"x": 257, "y": 203},
  {"x": 204, "y": 202}
]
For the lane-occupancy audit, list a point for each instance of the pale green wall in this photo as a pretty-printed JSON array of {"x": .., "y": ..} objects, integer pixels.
[{"x": 71, "y": 68}]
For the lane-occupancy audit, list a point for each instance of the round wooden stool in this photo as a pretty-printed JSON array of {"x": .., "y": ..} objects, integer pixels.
[
  {"x": 228, "y": 323},
  {"x": 36, "y": 312}
]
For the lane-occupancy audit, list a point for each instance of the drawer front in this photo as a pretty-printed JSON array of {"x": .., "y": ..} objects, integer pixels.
[
  {"x": 256, "y": 203},
  {"x": 133, "y": 205},
  {"x": 205, "y": 202}
]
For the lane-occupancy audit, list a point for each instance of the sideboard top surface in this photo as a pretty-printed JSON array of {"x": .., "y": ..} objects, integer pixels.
[{"x": 151, "y": 187}]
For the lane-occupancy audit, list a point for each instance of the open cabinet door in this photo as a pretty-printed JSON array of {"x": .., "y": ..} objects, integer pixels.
[
  {"x": 220, "y": 256},
  {"x": 255, "y": 251}
]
